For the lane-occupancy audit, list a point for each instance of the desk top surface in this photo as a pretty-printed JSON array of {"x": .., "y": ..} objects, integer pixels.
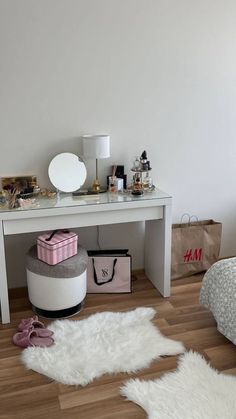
[{"x": 64, "y": 200}]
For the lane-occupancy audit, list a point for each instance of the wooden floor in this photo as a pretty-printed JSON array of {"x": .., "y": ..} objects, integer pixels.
[{"x": 27, "y": 394}]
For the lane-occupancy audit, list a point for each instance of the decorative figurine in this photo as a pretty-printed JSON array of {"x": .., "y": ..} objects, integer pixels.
[{"x": 137, "y": 165}]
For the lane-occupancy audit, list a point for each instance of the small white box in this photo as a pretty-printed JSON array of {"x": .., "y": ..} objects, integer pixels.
[{"x": 120, "y": 184}]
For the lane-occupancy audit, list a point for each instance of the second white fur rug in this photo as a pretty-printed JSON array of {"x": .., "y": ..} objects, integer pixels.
[
  {"x": 103, "y": 343},
  {"x": 194, "y": 391}
]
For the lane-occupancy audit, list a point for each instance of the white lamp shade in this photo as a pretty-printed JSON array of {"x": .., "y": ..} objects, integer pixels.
[{"x": 96, "y": 146}]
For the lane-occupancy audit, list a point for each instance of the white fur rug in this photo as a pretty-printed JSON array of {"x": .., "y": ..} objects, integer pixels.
[
  {"x": 194, "y": 391},
  {"x": 103, "y": 343}
]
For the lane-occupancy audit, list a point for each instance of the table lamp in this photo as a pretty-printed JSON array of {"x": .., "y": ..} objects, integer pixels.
[{"x": 96, "y": 147}]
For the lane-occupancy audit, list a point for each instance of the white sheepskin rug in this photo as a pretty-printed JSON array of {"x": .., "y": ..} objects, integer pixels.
[
  {"x": 103, "y": 343},
  {"x": 194, "y": 391}
]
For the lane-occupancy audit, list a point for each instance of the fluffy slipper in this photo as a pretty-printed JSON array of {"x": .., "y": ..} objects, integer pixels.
[
  {"x": 31, "y": 321},
  {"x": 31, "y": 338},
  {"x": 27, "y": 324}
]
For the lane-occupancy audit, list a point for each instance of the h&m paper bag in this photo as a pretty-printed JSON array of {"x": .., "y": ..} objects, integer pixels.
[{"x": 195, "y": 247}]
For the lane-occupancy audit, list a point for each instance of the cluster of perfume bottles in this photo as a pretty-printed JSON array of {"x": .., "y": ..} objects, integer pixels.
[{"x": 141, "y": 178}]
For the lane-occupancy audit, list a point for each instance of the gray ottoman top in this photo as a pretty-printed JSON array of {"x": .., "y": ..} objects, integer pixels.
[{"x": 68, "y": 268}]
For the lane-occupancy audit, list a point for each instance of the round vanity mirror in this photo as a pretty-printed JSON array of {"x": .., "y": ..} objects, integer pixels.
[{"x": 67, "y": 172}]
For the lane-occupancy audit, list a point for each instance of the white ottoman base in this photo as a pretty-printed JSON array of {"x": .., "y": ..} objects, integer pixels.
[
  {"x": 50, "y": 295},
  {"x": 58, "y": 314}
]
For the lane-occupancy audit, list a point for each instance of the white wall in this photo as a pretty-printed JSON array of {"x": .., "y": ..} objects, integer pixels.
[{"x": 158, "y": 75}]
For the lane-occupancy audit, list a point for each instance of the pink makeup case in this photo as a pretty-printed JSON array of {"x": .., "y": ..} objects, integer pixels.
[{"x": 56, "y": 246}]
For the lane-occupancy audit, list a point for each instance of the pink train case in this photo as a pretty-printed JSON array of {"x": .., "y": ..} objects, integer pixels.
[{"x": 56, "y": 246}]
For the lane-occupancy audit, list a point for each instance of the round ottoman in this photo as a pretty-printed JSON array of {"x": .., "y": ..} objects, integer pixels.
[{"x": 59, "y": 290}]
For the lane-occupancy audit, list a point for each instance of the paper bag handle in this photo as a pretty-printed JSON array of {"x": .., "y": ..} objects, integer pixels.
[
  {"x": 194, "y": 216},
  {"x": 108, "y": 280},
  {"x": 189, "y": 218}
]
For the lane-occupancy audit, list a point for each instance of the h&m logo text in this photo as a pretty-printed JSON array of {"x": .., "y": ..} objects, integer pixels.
[{"x": 192, "y": 255}]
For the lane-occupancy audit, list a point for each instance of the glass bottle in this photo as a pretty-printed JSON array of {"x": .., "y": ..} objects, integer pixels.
[{"x": 147, "y": 182}]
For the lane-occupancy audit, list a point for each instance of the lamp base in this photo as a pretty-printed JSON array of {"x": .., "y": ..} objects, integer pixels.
[
  {"x": 84, "y": 192},
  {"x": 95, "y": 190},
  {"x": 96, "y": 186},
  {"x": 100, "y": 191}
]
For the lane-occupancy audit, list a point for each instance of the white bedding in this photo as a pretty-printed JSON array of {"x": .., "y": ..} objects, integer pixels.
[{"x": 218, "y": 294}]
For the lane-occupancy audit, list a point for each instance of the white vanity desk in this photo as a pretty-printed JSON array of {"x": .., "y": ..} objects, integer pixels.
[{"x": 66, "y": 211}]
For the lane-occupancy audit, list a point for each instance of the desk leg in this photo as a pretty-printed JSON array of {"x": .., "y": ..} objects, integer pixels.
[
  {"x": 3, "y": 281},
  {"x": 157, "y": 257}
]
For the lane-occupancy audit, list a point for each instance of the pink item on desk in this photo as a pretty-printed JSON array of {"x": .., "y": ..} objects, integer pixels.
[{"x": 57, "y": 246}]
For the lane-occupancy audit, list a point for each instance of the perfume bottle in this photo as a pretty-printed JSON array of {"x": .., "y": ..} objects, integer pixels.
[
  {"x": 143, "y": 161},
  {"x": 137, "y": 185},
  {"x": 147, "y": 182},
  {"x": 112, "y": 188}
]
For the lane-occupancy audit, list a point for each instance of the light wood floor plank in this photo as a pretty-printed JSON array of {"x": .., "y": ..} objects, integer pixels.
[{"x": 25, "y": 394}]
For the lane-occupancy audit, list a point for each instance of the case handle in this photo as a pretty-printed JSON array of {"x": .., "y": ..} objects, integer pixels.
[{"x": 53, "y": 233}]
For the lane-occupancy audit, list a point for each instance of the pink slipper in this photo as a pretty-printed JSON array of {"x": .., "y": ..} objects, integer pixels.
[
  {"x": 31, "y": 338},
  {"x": 27, "y": 324}
]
